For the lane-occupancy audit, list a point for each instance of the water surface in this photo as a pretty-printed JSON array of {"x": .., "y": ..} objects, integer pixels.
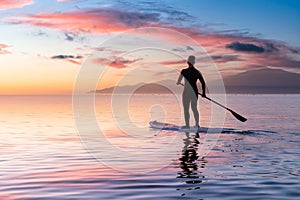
[{"x": 43, "y": 157}]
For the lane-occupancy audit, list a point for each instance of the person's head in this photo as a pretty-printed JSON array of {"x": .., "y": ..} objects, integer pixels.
[{"x": 191, "y": 60}]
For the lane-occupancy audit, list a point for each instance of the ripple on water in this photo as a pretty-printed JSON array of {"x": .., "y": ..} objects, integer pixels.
[{"x": 42, "y": 157}]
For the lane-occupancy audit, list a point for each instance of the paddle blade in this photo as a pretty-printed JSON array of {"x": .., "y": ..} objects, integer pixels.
[{"x": 238, "y": 116}]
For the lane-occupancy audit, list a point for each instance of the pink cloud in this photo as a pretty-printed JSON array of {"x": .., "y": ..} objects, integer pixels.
[
  {"x": 209, "y": 40},
  {"x": 74, "y": 62},
  {"x": 2, "y": 49},
  {"x": 8, "y": 4},
  {"x": 100, "y": 20},
  {"x": 176, "y": 62},
  {"x": 92, "y": 21},
  {"x": 118, "y": 63},
  {"x": 3, "y": 46}
]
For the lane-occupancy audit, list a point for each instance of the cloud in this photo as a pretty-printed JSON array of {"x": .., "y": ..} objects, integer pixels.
[
  {"x": 118, "y": 63},
  {"x": 187, "y": 48},
  {"x": 40, "y": 33},
  {"x": 262, "y": 46},
  {"x": 270, "y": 47},
  {"x": 3, "y": 49},
  {"x": 74, "y": 62},
  {"x": 123, "y": 63},
  {"x": 97, "y": 20},
  {"x": 221, "y": 58},
  {"x": 108, "y": 20},
  {"x": 69, "y": 36},
  {"x": 167, "y": 13},
  {"x": 69, "y": 58},
  {"x": 9, "y": 4},
  {"x": 173, "y": 62},
  {"x": 66, "y": 57},
  {"x": 237, "y": 46},
  {"x": 224, "y": 58},
  {"x": 74, "y": 36},
  {"x": 250, "y": 50},
  {"x": 3, "y": 46}
]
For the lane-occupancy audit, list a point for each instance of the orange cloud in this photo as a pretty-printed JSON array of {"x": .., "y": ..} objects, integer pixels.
[
  {"x": 8, "y": 4},
  {"x": 74, "y": 62},
  {"x": 118, "y": 63}
]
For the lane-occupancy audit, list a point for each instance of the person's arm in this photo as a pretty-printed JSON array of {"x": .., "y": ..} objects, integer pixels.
[
  {"x": 180, "y": 77},
  {"x": 201, "y": 79}
]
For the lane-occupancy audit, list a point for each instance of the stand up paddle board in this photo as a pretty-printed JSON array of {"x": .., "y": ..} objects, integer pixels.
[{"x": 171, "y": 127}]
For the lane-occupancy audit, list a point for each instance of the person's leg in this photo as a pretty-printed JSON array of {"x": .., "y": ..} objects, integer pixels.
[
  {"x": 195, "y": 109},
  {"x": 186, "y": 107}
]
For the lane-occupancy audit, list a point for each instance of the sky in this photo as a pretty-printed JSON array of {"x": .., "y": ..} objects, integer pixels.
[{"x": 45, "y": 44}]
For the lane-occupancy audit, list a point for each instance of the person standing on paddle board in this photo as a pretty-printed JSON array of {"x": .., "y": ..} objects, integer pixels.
[{"x": 190, "y": 91}]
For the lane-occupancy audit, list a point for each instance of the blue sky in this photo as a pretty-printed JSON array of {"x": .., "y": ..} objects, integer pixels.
[{"x": 272, "y": 19}]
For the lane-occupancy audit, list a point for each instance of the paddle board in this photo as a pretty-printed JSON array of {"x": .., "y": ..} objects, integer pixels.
[{"x": 171, "y": 127}]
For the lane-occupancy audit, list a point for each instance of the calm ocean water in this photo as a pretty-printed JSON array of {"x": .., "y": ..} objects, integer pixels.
[{"x": 44, "y": 157}]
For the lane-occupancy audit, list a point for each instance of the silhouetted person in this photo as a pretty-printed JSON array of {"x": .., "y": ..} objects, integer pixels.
[{"x": 190, "y": 92}]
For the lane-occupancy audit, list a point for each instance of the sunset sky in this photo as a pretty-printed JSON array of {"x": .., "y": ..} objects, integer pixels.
[{"x": 45, "y": 43}]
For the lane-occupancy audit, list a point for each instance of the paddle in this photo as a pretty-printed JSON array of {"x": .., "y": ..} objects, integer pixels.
[{"x": 236, "y": 115}]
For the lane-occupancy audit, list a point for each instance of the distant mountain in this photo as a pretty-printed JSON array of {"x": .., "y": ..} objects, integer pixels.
[
  {"x": 263, "y": 81},
  {"x": 162, "y": 87}
]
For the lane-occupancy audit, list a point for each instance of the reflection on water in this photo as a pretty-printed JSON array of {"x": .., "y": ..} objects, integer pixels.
[
  {"x": 189, "y": 157},
  {"x": 188, "y": 162},
  {"x": 42, "y": 157}
]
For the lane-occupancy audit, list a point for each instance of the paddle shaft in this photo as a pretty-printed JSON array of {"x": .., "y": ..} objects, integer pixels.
[{"x": 216, "y": 102}]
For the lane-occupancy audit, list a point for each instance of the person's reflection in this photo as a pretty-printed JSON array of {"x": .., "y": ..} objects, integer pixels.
[{"x": 188, "y": 159}]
